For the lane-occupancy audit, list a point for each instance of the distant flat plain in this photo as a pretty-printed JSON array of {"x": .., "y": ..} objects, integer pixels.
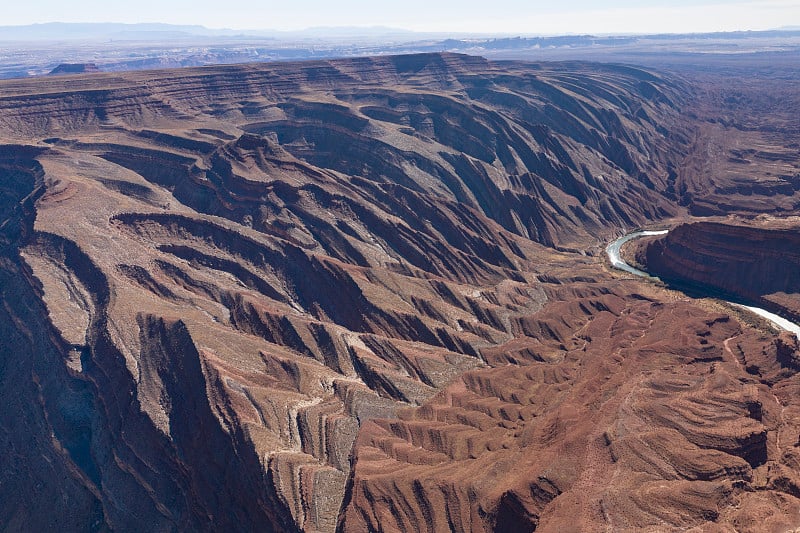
[{"x": 35, "y": 54}]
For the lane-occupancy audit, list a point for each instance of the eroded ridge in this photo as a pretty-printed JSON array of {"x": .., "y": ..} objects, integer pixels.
[{"x": 624, "y": 413}]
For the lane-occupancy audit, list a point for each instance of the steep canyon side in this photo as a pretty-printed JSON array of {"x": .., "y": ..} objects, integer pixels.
[
  {"x": 754, "y": 261},
  {"x": 354, "y": 294}
]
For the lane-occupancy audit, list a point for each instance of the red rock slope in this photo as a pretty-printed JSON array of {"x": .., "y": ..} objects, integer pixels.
[
  {"x": 757, "y": 261},
  {"x": 621, "y": 411}
]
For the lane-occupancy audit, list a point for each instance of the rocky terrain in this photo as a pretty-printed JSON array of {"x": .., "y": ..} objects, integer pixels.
[
  {"x": 74, "y": 68},
  {"x": 368, "y": 294},
  {"x": 756, "y": 262}
]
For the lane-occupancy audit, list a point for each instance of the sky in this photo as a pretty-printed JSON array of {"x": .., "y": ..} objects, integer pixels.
[{"x": 470, "y": 16}]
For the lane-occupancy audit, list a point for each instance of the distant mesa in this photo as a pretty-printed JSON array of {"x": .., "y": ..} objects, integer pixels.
[{"x": 74, "y": 68}]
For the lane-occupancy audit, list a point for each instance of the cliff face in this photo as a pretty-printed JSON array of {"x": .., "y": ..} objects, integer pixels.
[
  {"x": 743, "y": 156},
  {"x": 74, "y": 68},
  {"x": 237, "y": 298},
  {"x": 759, "y": 264}
]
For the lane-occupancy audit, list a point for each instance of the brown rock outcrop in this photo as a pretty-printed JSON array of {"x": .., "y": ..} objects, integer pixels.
[
  {"x": 74, "y": 68},
  {"x": 237, "y": 267},
  {"x": 614, "y": 423},
  {"x": 757, "y": 262}
]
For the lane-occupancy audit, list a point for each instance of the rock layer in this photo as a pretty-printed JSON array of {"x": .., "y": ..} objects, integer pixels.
[
  {"x": 630, "y": 414},
  {"x": 756, "y": 262}
]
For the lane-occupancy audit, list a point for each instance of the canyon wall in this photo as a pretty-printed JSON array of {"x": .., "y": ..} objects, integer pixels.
[{"x": 756, "y": 262}]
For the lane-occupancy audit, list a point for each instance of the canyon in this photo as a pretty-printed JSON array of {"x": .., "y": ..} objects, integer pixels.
[
  {"x": 370, "y": 294},
  {"x": 755, "y": 262}
]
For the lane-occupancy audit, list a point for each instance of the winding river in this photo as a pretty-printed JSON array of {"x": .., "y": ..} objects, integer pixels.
[{"x": 613, "y": 251}]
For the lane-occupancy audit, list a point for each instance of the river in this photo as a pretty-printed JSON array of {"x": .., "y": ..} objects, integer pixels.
[{"x": 613, "y": 251}]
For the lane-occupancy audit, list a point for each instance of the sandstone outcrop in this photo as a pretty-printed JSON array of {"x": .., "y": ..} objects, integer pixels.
[
  {"x": 756, "y": 262},
  {"x": 631, "y": 414},
  {"x": 74, "y": 68}
]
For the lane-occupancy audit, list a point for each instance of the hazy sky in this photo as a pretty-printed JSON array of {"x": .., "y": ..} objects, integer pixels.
[{"x": 491, "y": 16}]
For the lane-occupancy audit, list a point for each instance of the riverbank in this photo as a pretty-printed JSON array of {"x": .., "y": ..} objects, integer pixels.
[{"x": 614, "y": 253}]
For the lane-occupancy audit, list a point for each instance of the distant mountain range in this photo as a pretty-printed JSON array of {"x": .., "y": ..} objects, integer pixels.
[
  {"x": 60, "y": 31},
  {"x": 56, "y": 31},
  {"x": 64, "y": 30}
]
